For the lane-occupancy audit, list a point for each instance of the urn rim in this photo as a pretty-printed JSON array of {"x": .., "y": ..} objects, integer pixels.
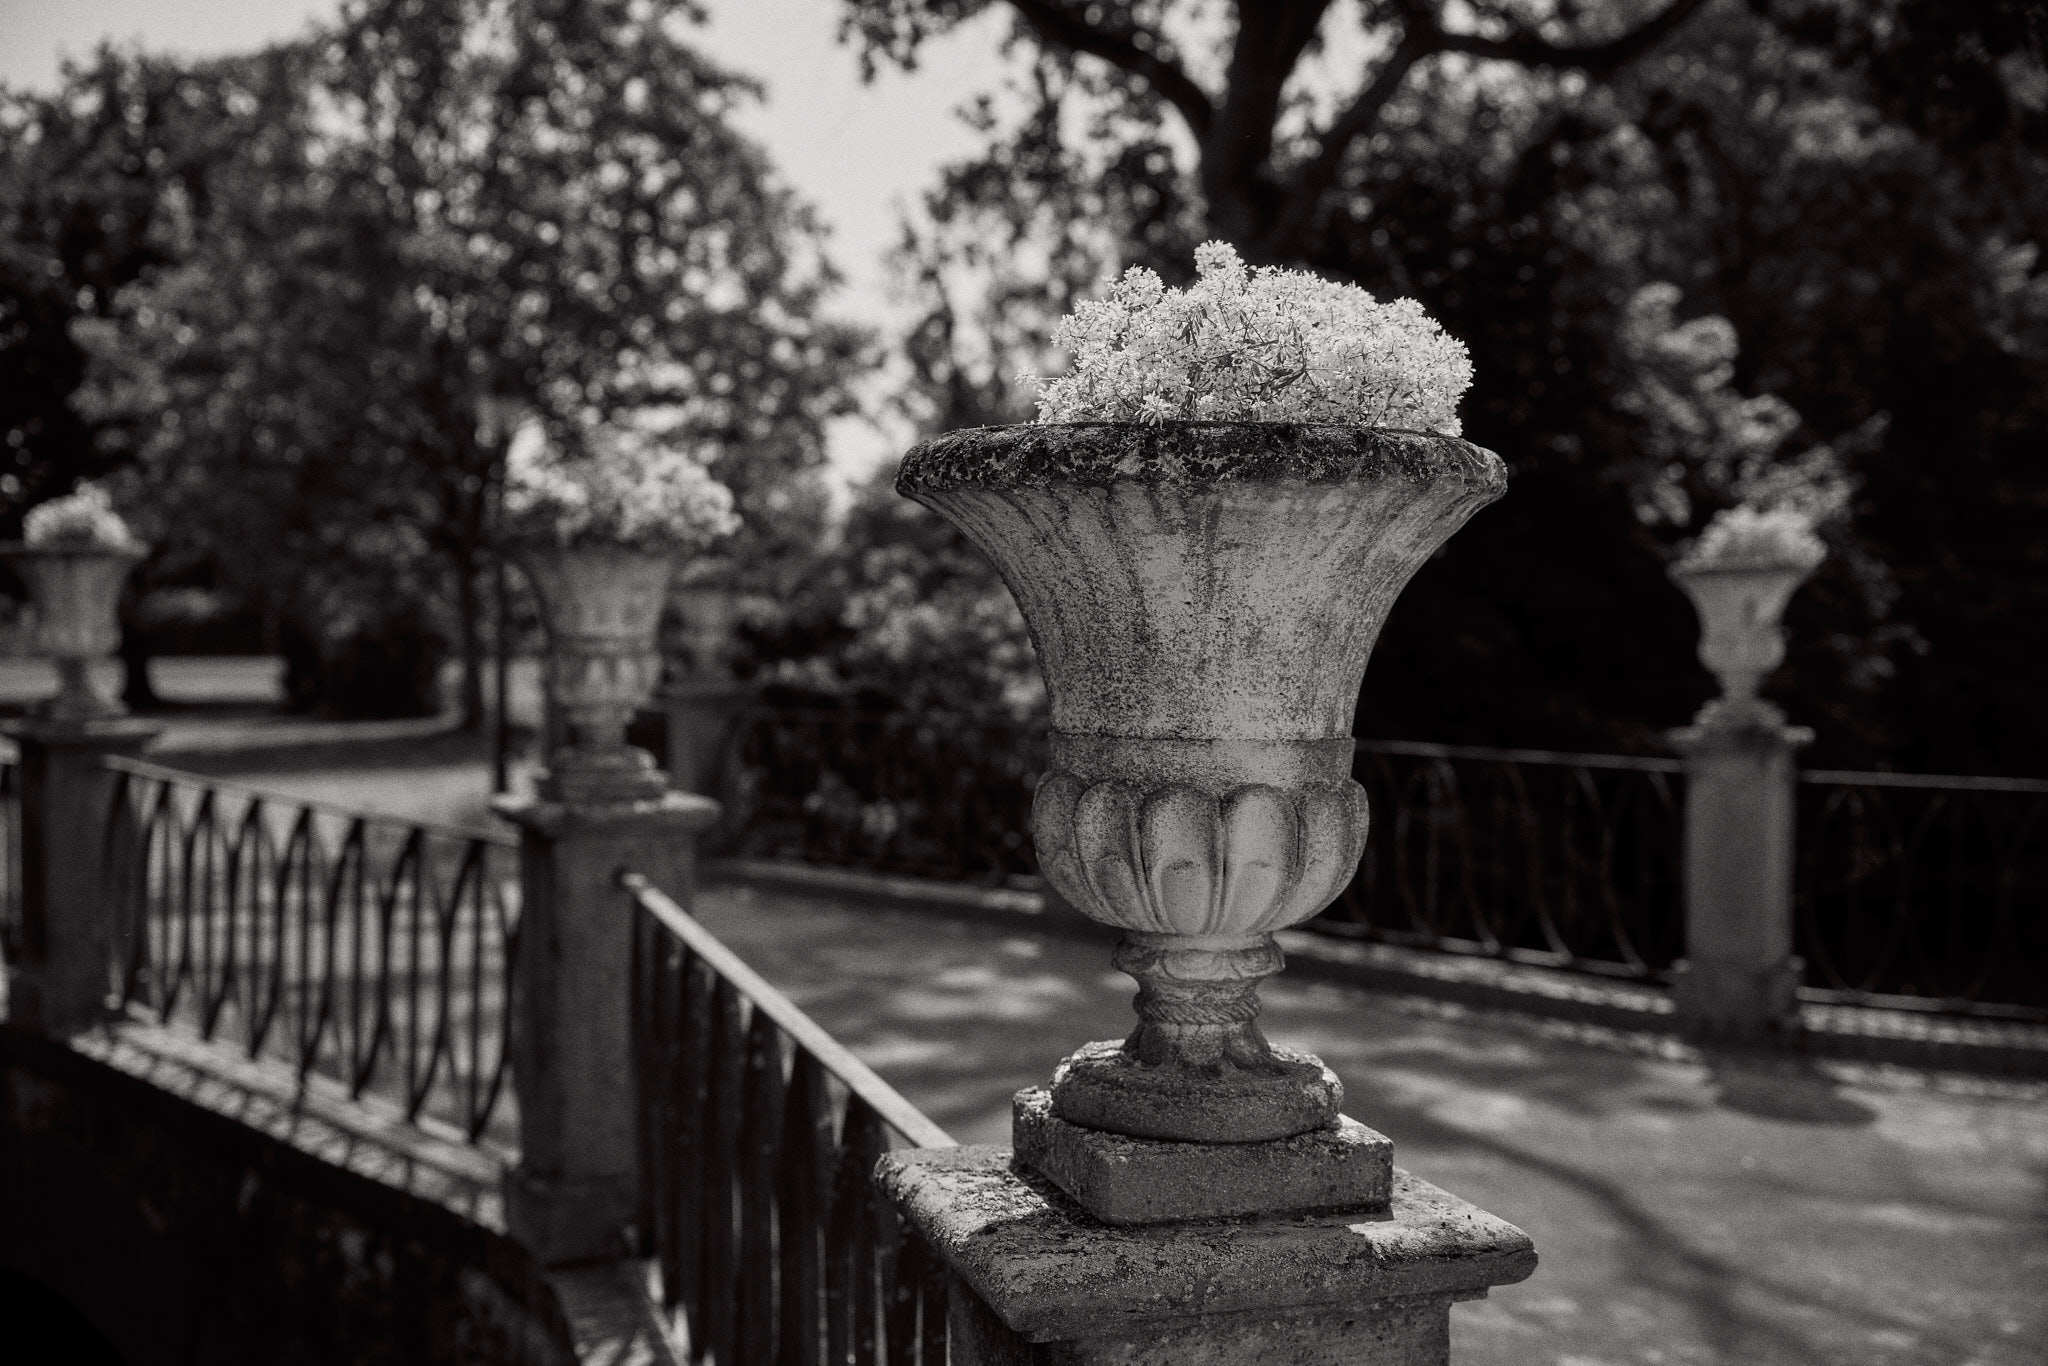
[{"x": 1192, "y": 455}]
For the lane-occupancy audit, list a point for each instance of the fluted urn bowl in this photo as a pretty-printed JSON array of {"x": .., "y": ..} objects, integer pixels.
[
  {"x": 1204, "y": 597},
  {"x": 1741, "y": 608},
  {"x": 710, "y": 614},
  {"x": 77, "y": 595},
  {"x": 601, "y": 606}
]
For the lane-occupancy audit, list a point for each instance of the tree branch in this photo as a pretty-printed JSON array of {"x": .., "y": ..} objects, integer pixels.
[
  {"x": 1597, "y": 59},
  {"x": 1319, "y": 172},
  {"x": 1422, "y": 37},
  {"x": 1059, "y": 25},
  {"x": 1271, "y": 36}
]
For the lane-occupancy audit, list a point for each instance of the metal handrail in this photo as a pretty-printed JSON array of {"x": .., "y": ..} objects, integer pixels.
[
  {"x": 376, "y": 952},
  {"x": 142, "y": 768},
  {"x": 1416, "y": 749},
  {"x": 1846, "y": 777},
  {"x": 802, "y": 1030},
  {"x": 759, "y": 1136}
]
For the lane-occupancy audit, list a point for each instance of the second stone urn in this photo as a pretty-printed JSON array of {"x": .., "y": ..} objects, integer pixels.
[
  {"x": 77, "y": 595},
  {"x": 1204, "y": 597},
  {"x": 1741, "y": 607},
  {"x": 601, "y": 606}
]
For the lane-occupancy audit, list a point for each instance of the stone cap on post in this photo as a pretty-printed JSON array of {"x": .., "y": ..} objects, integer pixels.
[{"x": 1052, "y": 1273}]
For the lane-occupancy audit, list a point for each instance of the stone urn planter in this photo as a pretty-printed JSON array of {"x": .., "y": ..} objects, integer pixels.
[
  {"x": 700, "y": 698},
  {"x": 601, "y": 607},
  {"x": 77, "y": 595},
  {"x": 1741, "y": 608},
  {"x": 1204, "y": 598},
  {"x": 702, "y": 647}
]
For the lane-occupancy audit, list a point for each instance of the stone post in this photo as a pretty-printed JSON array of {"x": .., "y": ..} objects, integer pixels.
[
  {"x": 702, "y": 698},
  {"x": 1204, "y": 597},
  {"x": 600, "y": 808},
  {"x": 69, "y": 919},
  {"x": 576, "y": 1188},
  {"x": 1739, "y": 977}
]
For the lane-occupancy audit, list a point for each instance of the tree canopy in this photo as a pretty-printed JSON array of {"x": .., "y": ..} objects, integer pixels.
[
  {"x": 1700, "y": 249},
  {"x": 435, "y": 201}
]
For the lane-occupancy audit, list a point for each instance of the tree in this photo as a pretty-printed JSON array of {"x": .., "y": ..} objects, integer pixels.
[
  {"x": 463, "y": 198},
  {"x": 1852, "y": 188},
  {"x": 84, "y": 173}
]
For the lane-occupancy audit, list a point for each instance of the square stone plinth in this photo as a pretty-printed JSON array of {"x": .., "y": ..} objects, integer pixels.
[
  {"x": 1123, "y": 1180},
  {"x": 1362, "y": 1290}
]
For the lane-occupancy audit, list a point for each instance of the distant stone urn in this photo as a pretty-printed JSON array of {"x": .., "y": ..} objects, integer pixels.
[
  {"x": 76, "y": 591},
  {"x": 1204, "y": 597},
  {"x": 601, "y": 606},
  {"x": 1741, "y": 607}
]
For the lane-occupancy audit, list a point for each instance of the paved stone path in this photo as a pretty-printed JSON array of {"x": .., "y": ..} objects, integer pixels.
[{"x": 1689, "y": 1208}]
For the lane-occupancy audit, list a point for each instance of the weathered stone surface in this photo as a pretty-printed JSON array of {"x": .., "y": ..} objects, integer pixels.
[
  {"x": 698, "y": 713},
  {"x": 1035, "y": 453},
  {"x": 1253, "y": 1098},
  {"x": 1203, "y": 581},
  {"x": 1412, "y": 1332},
  {"x": 77, "y": 596},
  {"x": 58, "y": 982},
  {"x": 1739, "y": 976},
  {"x": 601, "y": 605},
  {"x": 1740, "y": 607},
  {"x": 1204, "y": 597},
  {"x": 572, "y": 1054},
  {"x": 1123, "y": 1180},
  {"x": 1050, "y": 1273}
]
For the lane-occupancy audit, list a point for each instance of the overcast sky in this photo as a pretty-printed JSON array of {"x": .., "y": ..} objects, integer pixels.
[{"x": 858, "y": 152}]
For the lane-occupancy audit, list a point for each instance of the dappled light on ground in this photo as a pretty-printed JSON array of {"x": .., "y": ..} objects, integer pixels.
[{"x": 1752, "y": 1210}]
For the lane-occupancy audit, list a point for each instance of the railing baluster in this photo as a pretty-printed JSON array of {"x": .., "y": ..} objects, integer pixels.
[
  {"x": 760, "y": 1146},
  {"x": 377, "y": 967},
  {"x": 719, "y": 1270},
  {"x": 682, "y": 1276},
  {"x": 862, "y": 1142},
  {"x": 897, "y": 1270},
  {"x": 807, "y": 1148}
]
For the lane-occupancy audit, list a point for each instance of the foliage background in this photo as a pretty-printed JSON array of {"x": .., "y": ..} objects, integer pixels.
[{"x": 1701, "y": 250}]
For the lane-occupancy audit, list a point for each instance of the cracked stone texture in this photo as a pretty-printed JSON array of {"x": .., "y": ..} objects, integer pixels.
[
  {"x": 1052, "y": 1273},
  {"x": 1124, "y": 1180}
]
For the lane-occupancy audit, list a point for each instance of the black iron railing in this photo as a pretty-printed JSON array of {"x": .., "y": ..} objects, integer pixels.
[
  {"x": 374, "y": 953},
  {"x": 1911, "y": 890},
  {"x": 928, "y": 795},
  {"x": 1570, "y": 860},
  {"x": 1924, "y": 887},
  {"x": 759, "y": 1138}
]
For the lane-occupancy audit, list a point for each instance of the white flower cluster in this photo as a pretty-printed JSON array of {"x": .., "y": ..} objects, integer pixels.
[
  {"x": 1261, "y": 345},
  {"x": 1747, "y": 535},
  {"x": 83, "y": 519},
  {"x": 623, "y": 487}
]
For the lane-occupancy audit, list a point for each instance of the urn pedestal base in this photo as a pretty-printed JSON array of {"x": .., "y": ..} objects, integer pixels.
[
  {"x": 1342, "y": 1167},
  {"x": 617, "y": 777},
  {"x": 1276, "y": 1096}
]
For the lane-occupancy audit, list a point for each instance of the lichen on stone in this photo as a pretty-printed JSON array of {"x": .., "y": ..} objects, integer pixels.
[{"x": 1192, "y": 454}]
